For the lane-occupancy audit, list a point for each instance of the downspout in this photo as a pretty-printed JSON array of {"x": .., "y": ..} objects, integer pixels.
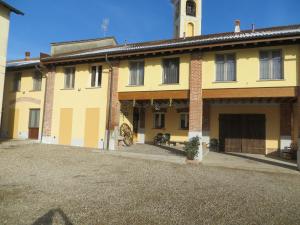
[
  {"x": 108, "y": 115},
  {"x": 39, "y": 68}
]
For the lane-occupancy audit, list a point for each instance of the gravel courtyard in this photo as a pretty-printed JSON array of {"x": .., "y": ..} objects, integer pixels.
[{"x": 47, "y": 185}]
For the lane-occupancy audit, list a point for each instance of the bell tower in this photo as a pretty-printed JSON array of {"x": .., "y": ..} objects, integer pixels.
[{"x": 187, "y": 18}]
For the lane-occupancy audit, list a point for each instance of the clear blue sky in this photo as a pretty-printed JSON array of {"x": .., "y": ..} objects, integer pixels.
[{"x": 48, "y": 21}]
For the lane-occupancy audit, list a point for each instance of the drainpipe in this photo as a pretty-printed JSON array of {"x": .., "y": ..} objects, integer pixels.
[
  {"x": 40, "y": 68},
  {"x": 108, "y": 114}
]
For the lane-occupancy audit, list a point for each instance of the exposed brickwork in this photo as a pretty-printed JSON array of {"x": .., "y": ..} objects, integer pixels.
[
  {"x": 115, "y": 104},
  {"x": 196, "y": 101},
  {"x": 286, "y": 119},
  {"x": 48, "y": 108}
]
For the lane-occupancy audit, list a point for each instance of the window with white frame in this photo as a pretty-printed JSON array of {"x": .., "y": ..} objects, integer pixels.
[
  {"x": 184, "y": 121},
  {"x": 37, "y": 81},
  {"x": 96, "y": 76},
  {"x": 136, "y": 73},
  {"x": 69, "y": 78},
  {"x": 225, "y": 67},
  {"x": 17, "y": 81},
  {"x": 159, "y": 120},
  {"x": 271, "y": 66}
]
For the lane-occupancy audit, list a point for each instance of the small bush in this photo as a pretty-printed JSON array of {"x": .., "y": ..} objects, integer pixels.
[{"x": 191, "y": 148}]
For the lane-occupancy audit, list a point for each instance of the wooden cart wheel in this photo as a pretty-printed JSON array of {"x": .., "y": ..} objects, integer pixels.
[{"x": 126, "y": 133}]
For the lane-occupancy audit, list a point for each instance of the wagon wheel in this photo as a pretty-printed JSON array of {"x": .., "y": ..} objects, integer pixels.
[{"x": 126, "y": 133}]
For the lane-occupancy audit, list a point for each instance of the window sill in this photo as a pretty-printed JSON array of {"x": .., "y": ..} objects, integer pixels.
[
  {"x": 35, "y": 90},
  {"x": 93, "y": 87},
  {"x": 141, "y": 85},
  {"x": 271, "y": 80},
  {"x": 169, "y": 84},
  {"x": 67, "y": 89},
  {"x": 225, "y": 81}
]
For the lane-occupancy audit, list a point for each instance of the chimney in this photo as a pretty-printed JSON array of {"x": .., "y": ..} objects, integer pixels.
[
  {"x": 27, "y": 56},
  {"x": 253, "y": 27},
  {"x": 237, "y": 28}
]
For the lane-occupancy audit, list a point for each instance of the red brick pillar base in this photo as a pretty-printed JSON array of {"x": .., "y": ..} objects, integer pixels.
[
  {"x": 196, "y": 102},
  {"x": 286, "y": 110},
  {"x": 48, "y": 107}
]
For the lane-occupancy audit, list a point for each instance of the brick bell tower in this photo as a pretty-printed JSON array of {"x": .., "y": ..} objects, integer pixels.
[{"x": 187, "y": 18}]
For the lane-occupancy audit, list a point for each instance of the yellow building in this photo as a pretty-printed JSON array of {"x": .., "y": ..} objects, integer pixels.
[
  {"x": 239, "y": 88},
  {"x": 5, "y": 11}
]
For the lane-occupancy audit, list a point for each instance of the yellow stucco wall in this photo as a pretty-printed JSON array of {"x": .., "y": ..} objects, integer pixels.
[
  {"x": 272, "y": 113},
  {"x": 22, "y": 102},
  {"x": 4, "y": 29},
  {"x": 172, "y": 124},
  {"x": 153, "y": 75},
  {"x": 80, "y": 99},
  {"x": 248, "y": 69}
]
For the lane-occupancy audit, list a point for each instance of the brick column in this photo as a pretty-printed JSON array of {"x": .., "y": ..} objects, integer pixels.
[
  {"x": 48, "y": 107},
  {"x": 196, "y": 101},
  {"x": 115, "y": 107},
  {"x": 286, "y": 110}
]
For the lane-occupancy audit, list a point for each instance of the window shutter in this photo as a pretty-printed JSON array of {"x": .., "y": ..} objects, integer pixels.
[
  {"x": 276, "y": 65},
  {"x": 99, "y": 81},
  {"x": 220, "y": 62},
  {"x": 231, "y": 68},
  {"x": 264, "y": 65},
  {"x": 93, "y": 77}
]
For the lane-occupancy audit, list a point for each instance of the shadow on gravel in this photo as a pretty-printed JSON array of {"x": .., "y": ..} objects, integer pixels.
[
  {"x": 264, "y": 161},
  {"x": 48, "y": 218}
]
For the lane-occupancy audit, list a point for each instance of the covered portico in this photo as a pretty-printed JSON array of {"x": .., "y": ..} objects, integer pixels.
[
  {"x": 253, "y": 120},
  {"x": 150, "y": 113}
]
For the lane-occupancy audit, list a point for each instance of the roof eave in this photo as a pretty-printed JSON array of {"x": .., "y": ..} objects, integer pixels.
[{"x": 11, "y": 8}]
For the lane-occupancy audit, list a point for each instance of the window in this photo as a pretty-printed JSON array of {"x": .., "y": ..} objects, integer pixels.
[
  {"x": 136, "y": 73},
  {"x": 226, "y": 67},
  {"x": 184, "y": 121},
  {"x": 17, "y": 82},
  {"x": 159, "y": 120},
  {"x": 190, "y": 8},
  {"x": 37, "y": 81},
  {"x": 34, "y": 118},
  {"x": 69, "y": 77},
  {"x": 271, "y": 67},
  {"x": 96, "y": 76},
  {"x": 171, "y": 71}
]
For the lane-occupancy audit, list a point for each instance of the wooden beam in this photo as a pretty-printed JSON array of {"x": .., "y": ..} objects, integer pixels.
[
  {"x": 234, "y": 93},
  {"x": 155, "y": 95}
]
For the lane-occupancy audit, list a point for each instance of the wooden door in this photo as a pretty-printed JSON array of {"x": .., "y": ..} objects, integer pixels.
[
  {"x": 65, "y": 126},
  {"x": 242, "y": 133},
  {"x": 91, "y": 136},
  {"x": 230, "y": 133},
  {"x": 254, "y": 134},
  {"x": 34, "y": 124},
  {"x": 135, "y": 123}
]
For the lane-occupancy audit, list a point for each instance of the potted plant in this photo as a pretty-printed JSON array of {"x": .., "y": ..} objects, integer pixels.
[{"x": 191, "y": 148}]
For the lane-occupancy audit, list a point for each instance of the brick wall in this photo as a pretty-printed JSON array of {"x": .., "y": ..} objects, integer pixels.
[
  {"x": 48, "y": 108},
  {"x": 196, "y": 102},
  {"x": 115, "y": 104}
]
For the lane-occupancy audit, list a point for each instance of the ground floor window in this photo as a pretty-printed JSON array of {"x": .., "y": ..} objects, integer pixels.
[
  {"x": 159, "y": 120},
  {"x": 184, "y": 121}
]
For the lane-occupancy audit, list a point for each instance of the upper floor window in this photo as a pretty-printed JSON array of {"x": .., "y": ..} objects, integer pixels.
[
  {"x": 184, "y": 121},
  {"x": 96, "y": 76},
  {"x": 159, "y": 120},
  {"x": 190, "y": 8},
  {"x": 226, "y": 67},
  {"x": 271, "y": 66},
  {"x": 69, "y": 77},
  {"x": 171, "y": 71},
  {"x": 37, "y": 81},
  {"x": 136, "y": 73},
  {"x": 17, "y": 81}
]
